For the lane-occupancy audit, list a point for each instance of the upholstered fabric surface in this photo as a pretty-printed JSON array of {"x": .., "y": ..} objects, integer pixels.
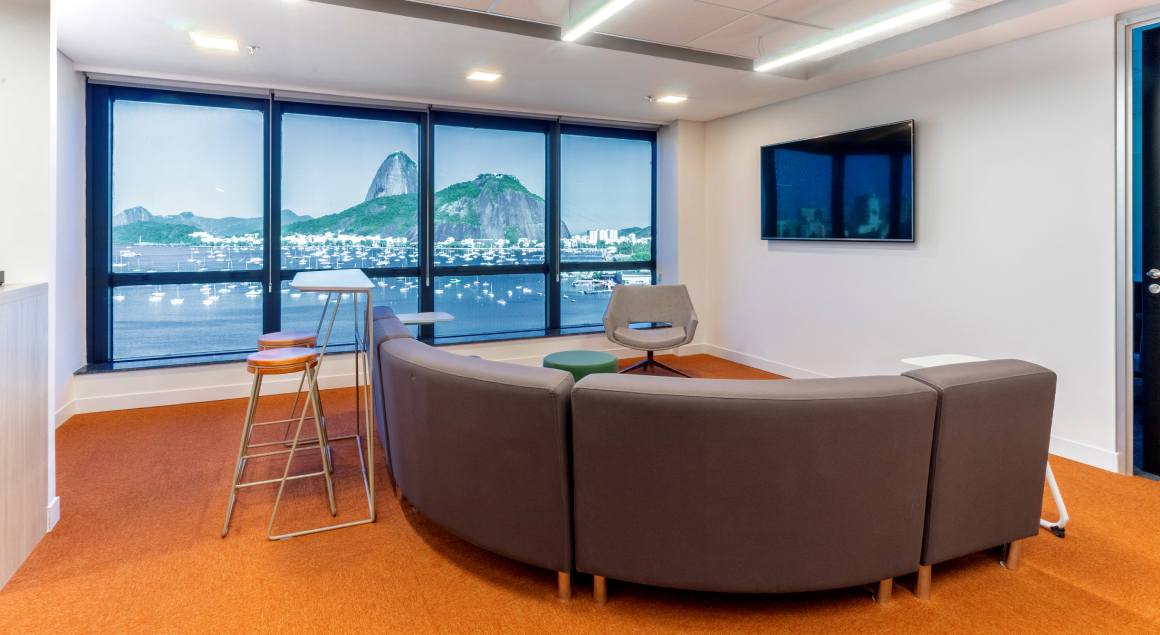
[
  {"x": 725, "y": 485},
  {"x": 990, "y": 454},
  {"x": 651, "y": 339},
  {"x": 482, "y": 448},
  {"x": 641, "y": 303},
  {"x": 581, "y": 363},
  {"x": 386, "y": 327}
]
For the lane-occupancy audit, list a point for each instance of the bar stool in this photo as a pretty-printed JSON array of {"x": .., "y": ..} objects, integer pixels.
[
  {"x": 289, "y": 339},
  {"x": 281, "y": 361}
]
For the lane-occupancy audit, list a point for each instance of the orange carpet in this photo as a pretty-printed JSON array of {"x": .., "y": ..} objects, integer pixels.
[{"x": 143, "y": 493}]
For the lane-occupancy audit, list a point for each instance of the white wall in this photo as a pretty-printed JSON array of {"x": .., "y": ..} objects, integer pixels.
[
  {"x": 1015, "y": 246},
  {"x": 682, "y": 253},
  {"x": 27, "y": 167},
  {"x": 70, "y": 267},
  {"x": 26, "y": 91}
]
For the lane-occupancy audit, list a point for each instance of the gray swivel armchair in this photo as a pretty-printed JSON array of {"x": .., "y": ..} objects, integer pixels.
[{"x": 668, "y": 304}]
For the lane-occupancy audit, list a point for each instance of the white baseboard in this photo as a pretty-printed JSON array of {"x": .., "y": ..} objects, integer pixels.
[
  {"x": 171, "y": 396},
  {"x": 53, "y": 510},
  {"x": 1084, "y": 453},
  {"x": 768, "y": 365},
  {"x": 65, "y": 412}
]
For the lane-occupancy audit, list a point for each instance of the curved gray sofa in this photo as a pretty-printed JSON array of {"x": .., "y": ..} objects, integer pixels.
[{"x": 717, "y": 485}]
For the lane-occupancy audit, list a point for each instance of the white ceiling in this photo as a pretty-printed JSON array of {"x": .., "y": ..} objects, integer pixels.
[
  {"x": 745, "y": 28},
  {"x": 318, "y": 47}
]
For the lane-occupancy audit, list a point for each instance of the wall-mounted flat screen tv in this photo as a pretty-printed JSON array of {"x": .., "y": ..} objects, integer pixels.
[{"x": 856, "y": 185}]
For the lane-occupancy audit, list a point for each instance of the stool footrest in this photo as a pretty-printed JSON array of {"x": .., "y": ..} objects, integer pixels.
[
  {"x": 293, "y": 420},
  {"x": 279, "y": 479}
]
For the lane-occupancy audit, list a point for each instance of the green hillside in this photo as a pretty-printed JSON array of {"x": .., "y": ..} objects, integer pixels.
[
  {"x": 641, "y": 232},
  {"x": 155, "y": 233},
  {"x": 383, "y": 216}
]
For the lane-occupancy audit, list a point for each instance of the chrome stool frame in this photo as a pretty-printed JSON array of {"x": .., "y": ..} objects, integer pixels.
[
  {"x": 333, "y": 303},
  {"x": 309, "y": 376}
]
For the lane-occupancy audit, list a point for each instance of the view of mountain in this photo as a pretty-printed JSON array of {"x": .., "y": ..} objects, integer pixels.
[
  {"x": 490, "y": 206},
  {"x": 142, "y": 220},
  {"x": 641, "y": 232},
  {"x": 383, "y": 216},
  {"x": 398, "y": 174}
]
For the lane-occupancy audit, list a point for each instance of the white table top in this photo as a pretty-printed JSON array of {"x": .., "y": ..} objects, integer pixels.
[
  {"x": 941, "y": 360},
  {"x": 333, "y": 280},
  {"x": 430, "y": 317}
]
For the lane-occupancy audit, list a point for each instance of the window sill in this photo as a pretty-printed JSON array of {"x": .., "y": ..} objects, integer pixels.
[{"x": 233, "y": 358}]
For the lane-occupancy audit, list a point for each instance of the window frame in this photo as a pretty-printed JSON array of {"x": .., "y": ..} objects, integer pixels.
[
  {"x": 99, "y": 153},
  {"x": 278, "y": 275},
  {"x": 102, "y": 280}
]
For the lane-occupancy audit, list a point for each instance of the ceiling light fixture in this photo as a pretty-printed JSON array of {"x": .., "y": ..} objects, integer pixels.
[
  {"x": 483, "y": 76},
  {"x": 596, "y": 17},
  {"x": 672, "y": 99},
  {"x": 851, "y": 37},
  {"x": 215, "y": 42}
]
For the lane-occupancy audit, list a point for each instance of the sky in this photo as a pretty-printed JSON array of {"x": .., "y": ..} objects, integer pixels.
[{"x": 171, "y": 158}]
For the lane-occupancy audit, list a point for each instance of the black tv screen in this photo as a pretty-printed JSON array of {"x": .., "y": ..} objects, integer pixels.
[{"x": 856, "y": 185}]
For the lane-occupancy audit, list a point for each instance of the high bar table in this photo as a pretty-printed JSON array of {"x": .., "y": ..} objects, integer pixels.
[{"x": 339, "y": 282}]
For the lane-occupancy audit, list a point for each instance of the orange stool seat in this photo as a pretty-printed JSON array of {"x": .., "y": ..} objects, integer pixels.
[
  {"x": 287, "y": 339},
  {"x": 281, "y": 361}
]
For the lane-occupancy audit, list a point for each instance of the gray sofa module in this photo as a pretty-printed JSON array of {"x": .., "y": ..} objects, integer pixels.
[
  {"x": 482, "y": 448},
  {"x": 750, "y": 486},
  {"x": 989, "y": 458}
]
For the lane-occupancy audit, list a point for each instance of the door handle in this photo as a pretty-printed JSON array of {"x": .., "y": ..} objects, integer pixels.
[{"x": 1153, "y": 273}]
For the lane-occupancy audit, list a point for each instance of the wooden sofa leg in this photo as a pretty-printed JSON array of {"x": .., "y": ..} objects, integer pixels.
[
  {"x": 1014, "y": 551},
  {"x": 885, "y": 591},
  {"x": 599, "y": 589},
  {"x": 922, "y": 589},
  {"x": 564, "y": 585}
]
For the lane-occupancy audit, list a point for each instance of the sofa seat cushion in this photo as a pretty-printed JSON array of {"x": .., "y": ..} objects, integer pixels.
[{"x": 651, "y": 339}]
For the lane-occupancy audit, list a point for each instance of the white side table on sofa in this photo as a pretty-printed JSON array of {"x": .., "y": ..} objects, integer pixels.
[{"x": 927, "y": 361}]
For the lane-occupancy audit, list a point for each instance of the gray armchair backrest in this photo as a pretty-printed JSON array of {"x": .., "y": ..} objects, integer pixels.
[
  {"x": 482, "y": 449},
  {"x": 750, "y": 486},
  {"x": 646, "y": 303},
  {"x": 989, "y": 457}
]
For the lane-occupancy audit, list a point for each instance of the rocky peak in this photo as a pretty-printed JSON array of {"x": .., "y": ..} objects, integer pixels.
[
  {"x": 397, "y": 174},
  {"x": 136, "y": 214}
]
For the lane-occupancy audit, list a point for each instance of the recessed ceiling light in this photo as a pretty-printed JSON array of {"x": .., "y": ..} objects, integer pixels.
[
  {"x": 215, "y": 42},
  {"x": 845, "y": 39},
  {"x": 672, "y": 99},
  {"x": 596, "y": 17},
  {"x": 483, "y": 76}
]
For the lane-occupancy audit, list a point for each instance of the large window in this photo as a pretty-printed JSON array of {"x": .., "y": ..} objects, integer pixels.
[
  {"x": 608, "y": 191},
  {"x": 203, "y": 207}
]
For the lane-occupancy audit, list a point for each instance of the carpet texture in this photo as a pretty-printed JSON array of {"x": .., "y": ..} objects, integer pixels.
[{"x": 138, "y": 550}]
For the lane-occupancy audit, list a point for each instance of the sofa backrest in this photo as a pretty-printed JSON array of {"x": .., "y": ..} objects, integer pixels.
[
  {"x": 482, "y": 448},
  {"x": 750, "y": 486},
  {"x": 386, "y": 327},
  {"x": 989, "y": 457}
]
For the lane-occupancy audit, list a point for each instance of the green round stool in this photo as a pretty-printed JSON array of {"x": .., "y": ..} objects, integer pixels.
[{"x": 581, "y": 363}]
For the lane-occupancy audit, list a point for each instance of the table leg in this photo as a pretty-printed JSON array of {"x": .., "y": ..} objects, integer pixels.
[{"x": 370, "y": 357}]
